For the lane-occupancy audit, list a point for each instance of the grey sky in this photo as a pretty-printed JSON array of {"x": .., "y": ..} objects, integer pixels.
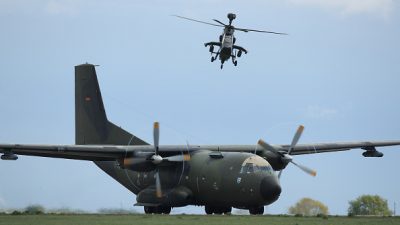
[{"x": 337, "y": 73}]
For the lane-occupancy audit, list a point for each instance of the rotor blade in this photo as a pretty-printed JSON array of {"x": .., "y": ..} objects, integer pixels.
[
  {"x": 267, "y": 146},
  {"x": 296, "y": 138},
  {"x": 306, "y": 169},
  {"x": 178, "y": 158},
  {"x": 182, "y": 17},
  {"x": 260, "y": 31},
  {"x": 156, "y": 136},
  {"x": 158, "y": 186},
  {"x": 219, "y": 22}
]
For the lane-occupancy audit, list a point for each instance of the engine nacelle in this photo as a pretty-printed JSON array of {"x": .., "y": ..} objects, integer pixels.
[
  {"x": 275, "y": 160},
  {"x": 372, "y": 153},
  {"x": 137, "y": 164}
]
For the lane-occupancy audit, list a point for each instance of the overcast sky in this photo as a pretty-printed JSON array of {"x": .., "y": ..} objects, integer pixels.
[{"x": 337, "y": 73}]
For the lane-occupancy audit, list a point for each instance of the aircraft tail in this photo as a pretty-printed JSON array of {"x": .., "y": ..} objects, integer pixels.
[{"x": 91, "y": 124}]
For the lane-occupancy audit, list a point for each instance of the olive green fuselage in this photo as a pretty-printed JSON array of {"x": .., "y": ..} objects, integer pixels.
[{"x": 216, "y": 179}]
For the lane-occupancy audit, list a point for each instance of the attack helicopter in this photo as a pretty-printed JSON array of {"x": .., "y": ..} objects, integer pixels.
[{"x": 226, "y": 44}]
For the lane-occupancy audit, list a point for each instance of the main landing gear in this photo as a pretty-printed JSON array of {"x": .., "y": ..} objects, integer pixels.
[
  {"x": 217, "y": 210},
  {"x": 157, "y": 209},
  {"x": 256, "y": 210}
]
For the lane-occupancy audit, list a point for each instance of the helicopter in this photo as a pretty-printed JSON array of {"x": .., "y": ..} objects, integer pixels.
[{"x": 227, "y": 48}]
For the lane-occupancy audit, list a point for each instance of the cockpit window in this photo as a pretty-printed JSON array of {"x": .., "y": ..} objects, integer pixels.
[
  {"x": 256, "y": 164},
  {"x": 248, "y": 168}
]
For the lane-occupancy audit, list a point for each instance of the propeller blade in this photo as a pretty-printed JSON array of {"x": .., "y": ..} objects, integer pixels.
[
  {"x": 260, "y": 31},
  {"x": 306, "y": 169},
  {"x": 267, "y": 146},
  {"x": 296, "y": 138},
  {"x": 156, "y": 136},
  {"x": 158, "y": 186},
  {"x": 199, "y": 21},
  {"x": 279, "y": 174},
  {"x": 187, "y": 146},
  {"x": 178, "y": 158},
  {"x": 219, "y": 22}
]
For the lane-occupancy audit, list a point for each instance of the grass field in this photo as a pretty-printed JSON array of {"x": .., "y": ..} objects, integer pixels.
[{"x": 99, "y": 219}]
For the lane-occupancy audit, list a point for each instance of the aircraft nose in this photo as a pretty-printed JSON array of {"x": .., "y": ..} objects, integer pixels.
[{"x": 270, "y": 189}]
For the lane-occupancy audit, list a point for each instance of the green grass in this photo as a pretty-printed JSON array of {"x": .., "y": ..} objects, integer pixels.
[{"x": 98, "y": 219}]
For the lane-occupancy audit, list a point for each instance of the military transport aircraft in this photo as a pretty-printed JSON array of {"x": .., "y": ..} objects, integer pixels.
[{"x": 166, "y": 176}]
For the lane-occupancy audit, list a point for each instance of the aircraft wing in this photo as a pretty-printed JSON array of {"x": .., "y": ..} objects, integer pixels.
[
  {"x": 301, "y": 149},
  {"x": 92, "y": 152},
  {"x": 80, "y": 152},
  {"x": 115, "y": 152}
]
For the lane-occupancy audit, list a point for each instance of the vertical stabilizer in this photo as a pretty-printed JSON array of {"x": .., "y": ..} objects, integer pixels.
[{"x": 91, "y": 124}]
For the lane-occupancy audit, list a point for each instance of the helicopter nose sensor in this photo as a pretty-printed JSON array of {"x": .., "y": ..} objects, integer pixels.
[{"x": 231, "y": 16}]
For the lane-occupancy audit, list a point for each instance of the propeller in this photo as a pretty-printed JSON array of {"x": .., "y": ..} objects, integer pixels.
[
  {"x": 285, "y": 156},
  {"x": 157, "y": 159}
]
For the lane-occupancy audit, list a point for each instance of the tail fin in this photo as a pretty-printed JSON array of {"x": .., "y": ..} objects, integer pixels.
[{"x": 91, "y": 124}]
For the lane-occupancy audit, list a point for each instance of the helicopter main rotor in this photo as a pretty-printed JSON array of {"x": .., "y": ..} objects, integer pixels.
[{"x": 231, "y": 17}]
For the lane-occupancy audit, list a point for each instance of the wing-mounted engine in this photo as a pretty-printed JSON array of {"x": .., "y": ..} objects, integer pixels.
[
  {"x": 151, "y": 161},
  {"x": 371, "y": 152},
  {"x": 284, "y": 156},
  {"x": 138, "y": 164},
  {"x": 274, "y": 160}
]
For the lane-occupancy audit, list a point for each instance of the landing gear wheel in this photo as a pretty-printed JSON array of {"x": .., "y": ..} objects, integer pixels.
[
  {"x": 257, "y": 210},
  {"x": 157, "y": 210},
  {"x": 235, "y": 63},
  {"x": 217, "y": 210},
  {"x": 165, "y": 210},
  {"x": 239, "y": 54},
  {"x": 227, "y": 210},
  {"x": 212, "y": 59},
  {"x": 222, "y": 66},
  {"x": 148, "y": 210},
  {"x": 209, "y": 210}
]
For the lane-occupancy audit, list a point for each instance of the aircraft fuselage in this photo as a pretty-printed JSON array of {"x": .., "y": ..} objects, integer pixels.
[{"x": 228, "y": 179}]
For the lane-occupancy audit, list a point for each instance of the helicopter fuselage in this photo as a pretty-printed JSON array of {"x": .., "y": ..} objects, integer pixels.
[{"x": 226, "y": 47}]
